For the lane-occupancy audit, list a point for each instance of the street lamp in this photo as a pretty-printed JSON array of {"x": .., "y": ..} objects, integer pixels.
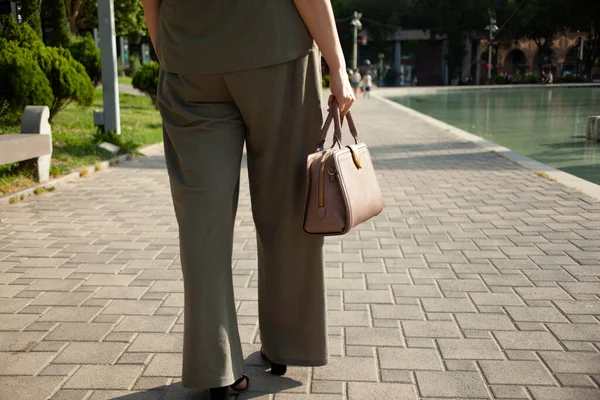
[
  {"x": 492, "y": 29},
  {"x": 356, "y": 26}
]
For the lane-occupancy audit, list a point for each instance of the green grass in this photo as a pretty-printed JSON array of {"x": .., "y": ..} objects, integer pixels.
[
  {"x": 125, "y": 80},
  {"x": 72, "y": 132}
]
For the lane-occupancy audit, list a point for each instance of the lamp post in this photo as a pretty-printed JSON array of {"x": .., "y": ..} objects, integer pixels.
[
  {"x": 492, "y": 29},
  {"x": 110, "y": 118},
  {"x": 356, "y": 26}
]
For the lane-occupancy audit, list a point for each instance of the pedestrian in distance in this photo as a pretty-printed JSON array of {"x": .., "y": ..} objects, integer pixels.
[
  {"x": 218, "y": 91},
  {"x": 355, "y": 80},
  {"x": 367, "y": 84}
]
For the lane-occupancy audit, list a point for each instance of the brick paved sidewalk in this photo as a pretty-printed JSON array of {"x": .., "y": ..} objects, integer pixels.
[{"x": 480, "y": 280}]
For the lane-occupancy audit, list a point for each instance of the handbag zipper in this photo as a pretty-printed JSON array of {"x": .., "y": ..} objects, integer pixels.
[{"x": 322, "y": 180}]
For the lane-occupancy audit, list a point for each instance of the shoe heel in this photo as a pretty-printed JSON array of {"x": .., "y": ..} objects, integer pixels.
[
  {"x": 278, "y": 369},
  {"x": 220, "y": 393}
]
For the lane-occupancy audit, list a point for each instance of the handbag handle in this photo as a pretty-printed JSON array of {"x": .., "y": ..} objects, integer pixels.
[{"x": 334, "y": 115}]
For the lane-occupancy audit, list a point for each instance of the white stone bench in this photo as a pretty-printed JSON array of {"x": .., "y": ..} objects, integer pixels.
[
  {"x": 592, "y": 129},
  {"x": 33, "y": 145}
]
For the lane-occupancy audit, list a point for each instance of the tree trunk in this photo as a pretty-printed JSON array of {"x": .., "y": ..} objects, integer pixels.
[{"x": 467, "y": 59}]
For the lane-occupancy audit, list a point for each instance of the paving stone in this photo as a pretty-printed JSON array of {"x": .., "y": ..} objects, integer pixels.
[
  {"x": 58, "y": 370},
  {"x": 397, "y": 312},
  {"x": 368, "y": 296},
  {"x": 157, "y": 343},
  {"x": 18, "y": 341},
  {"x": 474, "y": 349},
  {"x": 104, "y": 377},
  {"x": 431, "y": 329},
  {"x": 462, "y": 285},
  {"x": 373, "y": 336},
  {"x": 535, "y": 314},
  {"x": 542, "y": 293},
  {"x": 70, "y": 314},
  {"x": 60, "y": 299},
  {"x": 575, "y": 380},
  {"x": 376, "y": 391},
  {"x": 347, "y": 318},
  {"x": 145, "y": 324},
  {"x": 421, "y": 291},
  {"x": 496, "y": 299},
  {"x": 23, "y": 363},
  {"x": 451, "y": 384},
  {"x": 589, "y": 332},
  {"x": 579, "y": 307},
  {"x": 409, "y": 359},
  {"x": 132, "y": 307},
  {"x": 572, "y": 362},
  {"x": 527, "y": 341},
  {"x": 497, "y": 322},
  {"x": 29, "y": 387},
  {"x": 516, "y": 373},
  {"x": 165, "y": 365},
  {"x": 109, "y": 280},
  {"x": 54, "y": 285},
  {"x": 448, "y": 305},
  {"x": 15, "y": 322},
  {"x": 509, "y": 392},
  {"x": 555, "y": 393},
  {"x": 9, "y": 306},
  {"x": 327, "y": 387},
  {"x": 347, "y": 369},
  {"x": 79, "y": 332},
  {"x": 124, "y": 293},
  {"x": 90, "y": 353}
]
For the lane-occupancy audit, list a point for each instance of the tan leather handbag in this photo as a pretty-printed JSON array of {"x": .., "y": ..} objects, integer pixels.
[{"x": 342, "y": 189}]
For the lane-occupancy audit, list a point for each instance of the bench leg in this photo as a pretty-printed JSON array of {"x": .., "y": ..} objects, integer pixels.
[{"x": 43, "y": 168}]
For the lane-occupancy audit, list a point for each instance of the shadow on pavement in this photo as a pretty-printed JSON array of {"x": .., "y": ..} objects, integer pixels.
[{"x": 261, "y": 383}]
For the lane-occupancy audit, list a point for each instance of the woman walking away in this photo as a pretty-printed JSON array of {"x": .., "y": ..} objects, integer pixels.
[
  {"x": 235, "y": 72},
  {"x": 355, "y": 80}
]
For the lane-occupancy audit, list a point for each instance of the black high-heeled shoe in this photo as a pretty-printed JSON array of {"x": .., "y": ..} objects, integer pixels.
[
  {"x": 222, "y": 393},
  {"x": 276, "y": 369}
]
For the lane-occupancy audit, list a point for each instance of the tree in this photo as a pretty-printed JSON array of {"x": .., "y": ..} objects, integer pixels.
[
  {"x": 585, "y": 16},
  {"x": 53, "y": 11},
  {"x": 129, "y": 17},
  {"x": 67, "y": 78},
  {"x": 540, "y": 21},
  {"x": 30, "y": 12},
  {"x": 73, "y": 9}
]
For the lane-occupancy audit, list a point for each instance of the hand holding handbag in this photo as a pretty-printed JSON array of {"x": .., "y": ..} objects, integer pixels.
[{"x": 342, "y": 189}]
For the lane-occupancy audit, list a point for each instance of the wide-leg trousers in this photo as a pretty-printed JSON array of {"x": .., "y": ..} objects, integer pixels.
[{"x": 276, "y": 112}]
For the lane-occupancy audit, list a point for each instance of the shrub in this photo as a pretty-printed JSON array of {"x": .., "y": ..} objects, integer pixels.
[
  {"x": 532, "y": 79},
  {"x": 499, "y": 80},
  {"x": 67, "y": 78},
  {"x": 146, "y": 80},
  {"x": 517, "y": 78},
  {"x": 22, "y": 82},
  {"x": 568, "y": 78},
  {"x": 134, "y": 65},
  {"x": 326, "y": 81},
  {"x": 85, "y": 51}
]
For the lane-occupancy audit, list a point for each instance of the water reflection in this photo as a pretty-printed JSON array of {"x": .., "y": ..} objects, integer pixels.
[{"x": 546, "y": 124}]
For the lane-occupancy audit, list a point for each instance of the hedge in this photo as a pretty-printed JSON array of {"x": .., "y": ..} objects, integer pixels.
[
  {"x": 146, "y": 80},
  {"x": 67, "y": 78}
]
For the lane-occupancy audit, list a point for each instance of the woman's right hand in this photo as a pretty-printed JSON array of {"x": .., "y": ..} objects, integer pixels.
[{"x": 341, "y": 91}]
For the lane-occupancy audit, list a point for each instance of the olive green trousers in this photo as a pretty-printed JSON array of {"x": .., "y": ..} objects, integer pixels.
[{"x": 276, "y": 112}]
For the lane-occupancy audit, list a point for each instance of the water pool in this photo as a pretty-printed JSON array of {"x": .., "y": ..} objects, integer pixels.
[{"x": 546, "y": 124}]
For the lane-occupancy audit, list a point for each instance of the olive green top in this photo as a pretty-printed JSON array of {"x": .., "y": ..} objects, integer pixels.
[{"x": 216, "y": 36}]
